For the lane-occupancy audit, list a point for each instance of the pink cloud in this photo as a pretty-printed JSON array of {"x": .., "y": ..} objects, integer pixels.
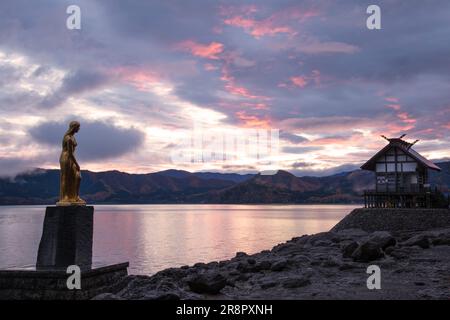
[
  {"x": 252, "y": 121},
  {"x": 210, "y": 67},
  {"x": 302, "y": 81},
  {"x": 270, "y": 26},
  {"x": 256, "y": 106},
  {"x": 258, "y": 29},
  {"x": 406, "y": 121},
  {"x": 233, "y": 88},
  {"x": 392, "y": 99},
  {"x": 142, "y": 80},
  {"x": 207, "y": 51},
  {"x": 240, "y": 91},
  {"x": 299, "y": 81},
  {"x": 406, "y": 118},
  {"x": 394, "y": 106}
]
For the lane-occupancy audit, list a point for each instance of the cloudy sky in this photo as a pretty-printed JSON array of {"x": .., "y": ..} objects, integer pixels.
[{"x": 144, "y": 77}]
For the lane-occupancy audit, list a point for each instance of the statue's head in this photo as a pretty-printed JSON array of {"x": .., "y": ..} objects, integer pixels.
[{"x": 74, "y": 126}]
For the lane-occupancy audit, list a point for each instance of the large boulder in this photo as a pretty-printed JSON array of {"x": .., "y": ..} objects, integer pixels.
[
  {"x": 349, "y": 248},
  {"x": 420, "y": 240},
  {"x": 367, "y": 251},
  {"x": 440, "y": 237},
  {"x": 263, "y": 265},
  {"x": 296, "y": 282},
  {"x": 279, "y": 265},
  {"x": 383, "y": 239},
  {"x": 210, "y": 283}
]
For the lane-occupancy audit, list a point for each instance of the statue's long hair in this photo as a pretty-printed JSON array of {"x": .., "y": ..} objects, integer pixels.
[{"x": 72, "y": 126}]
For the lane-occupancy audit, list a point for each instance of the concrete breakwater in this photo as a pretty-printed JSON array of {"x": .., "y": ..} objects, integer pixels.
[{"x": 385, "y": 219}]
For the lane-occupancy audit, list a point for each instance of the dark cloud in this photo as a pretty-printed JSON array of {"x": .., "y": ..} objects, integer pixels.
[
  {"x": 300, "y": 150},
  {"x": 293, "y": 138},
  {"x": 96, "y": 140},
  {"x": 74, "y": 83},
  {"x": 301, "y": 164}
]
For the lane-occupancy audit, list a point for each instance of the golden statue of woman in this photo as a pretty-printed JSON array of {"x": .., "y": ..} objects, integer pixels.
[{"x": 70, "y": 170}]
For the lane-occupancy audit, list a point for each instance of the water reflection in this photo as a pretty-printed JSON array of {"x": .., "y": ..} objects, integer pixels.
[{"x": 154, "y": 237}]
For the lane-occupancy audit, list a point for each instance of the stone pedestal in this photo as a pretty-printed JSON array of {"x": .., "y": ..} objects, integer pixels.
[
  {"x": 66, "y": 238},
  {"x": 52, "y": 284}
]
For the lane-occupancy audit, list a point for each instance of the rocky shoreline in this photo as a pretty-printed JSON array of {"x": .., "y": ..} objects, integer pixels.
[{"x": 329, "y": 265}]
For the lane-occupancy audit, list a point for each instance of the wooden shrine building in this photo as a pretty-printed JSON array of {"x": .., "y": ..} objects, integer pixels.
[{"x": 401, "y": 177}]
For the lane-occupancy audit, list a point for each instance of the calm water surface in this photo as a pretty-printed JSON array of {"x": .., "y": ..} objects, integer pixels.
[{"x": 154, "y": 237}]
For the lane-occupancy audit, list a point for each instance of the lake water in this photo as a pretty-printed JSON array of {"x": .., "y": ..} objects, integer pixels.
[{"x": 155, "y": 237}]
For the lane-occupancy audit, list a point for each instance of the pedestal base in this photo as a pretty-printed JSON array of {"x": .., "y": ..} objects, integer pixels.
[
  {"x": 66, "y": 238},
  {"x": 52, "y": 285}
]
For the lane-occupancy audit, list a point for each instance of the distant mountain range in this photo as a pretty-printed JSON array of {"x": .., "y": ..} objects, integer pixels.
[{"x": 175, "y": 186}]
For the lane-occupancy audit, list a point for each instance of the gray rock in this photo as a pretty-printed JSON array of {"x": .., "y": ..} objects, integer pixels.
[
  {"x": 279, "y": 265},
  {"x": 200, "y": 265},
  {"x": 398, "y": 253},
  {"x": 243, "y": 277},
  {"x": 383, "y": 239},
  {"x": 319, "y": 238},
  {"x": 296, "y": 282},
  {"x": 441, "y": 241},
  {"x": 242, "y": 266},
  {"x": 322, "y": 243},
  {"x": 348, "y": 249},
  {"x": 440, "y": 237},
  {"x": 234, "y": 273},
  {"x": 223, "y": 263},
  {"x": 207, "y": 283},
  {"x": 268, "y": 284},
  {"x": 367, "y": 251},
  {"x": 347, "y": 266},
  {"x": 168, "y": 296},
  {"x": 213, "y": 264},
  {"x": 161, "y": 296},
  {"x": 106, "y": 296},
  {"x": 420, "y": 240},
  {"x": 389, "y": 250},
  {"x": 241, "y": 254},
  {"x": 331, "y": 262},
  {"x": 263, "y": 265}
]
